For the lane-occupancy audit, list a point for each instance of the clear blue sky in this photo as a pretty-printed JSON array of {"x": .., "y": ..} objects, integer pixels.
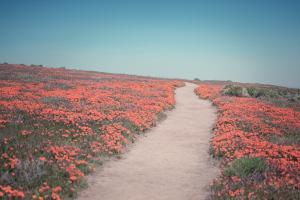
[{"x": 248, "y": 41}]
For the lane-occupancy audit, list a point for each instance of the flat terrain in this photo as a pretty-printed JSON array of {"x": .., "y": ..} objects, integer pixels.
[{"x": 170, "y": 162}]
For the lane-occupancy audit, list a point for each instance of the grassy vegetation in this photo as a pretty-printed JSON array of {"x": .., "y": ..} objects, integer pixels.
[
  {"x": 246, "y": 167},
  {"x": 243, "y": 174}
]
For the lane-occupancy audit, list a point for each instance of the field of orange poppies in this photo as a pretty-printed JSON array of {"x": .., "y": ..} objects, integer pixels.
[
  {"x": 257, "y": 140},
  {"x": 56, "y": 124}
]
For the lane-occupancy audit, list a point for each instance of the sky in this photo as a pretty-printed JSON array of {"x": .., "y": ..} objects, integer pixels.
[{"x": 238, "y": 40}]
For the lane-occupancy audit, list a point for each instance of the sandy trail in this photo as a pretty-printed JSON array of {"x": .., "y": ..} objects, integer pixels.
[{"x": 170, "y": 162}]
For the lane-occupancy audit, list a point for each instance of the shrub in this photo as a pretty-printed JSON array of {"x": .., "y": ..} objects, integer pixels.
[
  {"x": 246, "y": 166},
  {"x": 264, "y": 92},
  {"x": 32, "y": 65},
  {"x": 235, "y": 90},
  {"x": 270, "y": 93},
  {"x": 252, "y": 91}
]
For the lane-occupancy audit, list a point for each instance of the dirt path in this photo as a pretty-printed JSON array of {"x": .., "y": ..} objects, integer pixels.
[{"x": 170, "y": 162}]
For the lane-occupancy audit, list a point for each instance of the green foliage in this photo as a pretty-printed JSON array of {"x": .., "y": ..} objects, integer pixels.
[
  {"x": 32, "y": 65},
  {"x": 234, "y": 90},
  {"x": 280, "y": 96},
  {"x": 252, "y": 91},
  {"x": 262, "y": 92},
  {"x": 246, "y": 166},
  {"x": 272, "y": 92}
]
